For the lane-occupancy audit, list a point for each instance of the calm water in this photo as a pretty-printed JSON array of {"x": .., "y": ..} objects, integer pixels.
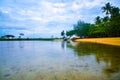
[{"x": 47, "y": 60}]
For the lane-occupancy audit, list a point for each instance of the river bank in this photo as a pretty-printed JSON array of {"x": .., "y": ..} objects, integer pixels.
[{"x": 109, "y": 41}]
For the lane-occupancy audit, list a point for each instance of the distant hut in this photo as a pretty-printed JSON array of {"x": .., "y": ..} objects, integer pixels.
[{"x": 9, "y": 36}]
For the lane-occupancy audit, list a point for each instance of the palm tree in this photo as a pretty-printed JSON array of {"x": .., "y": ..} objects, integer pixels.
[
  {"x": 97, "y": 20},
  {"x": 115, "y": 12},
  {"x": 105, "y": 19},
  {"x": 107, "y": 8},
  {"x": 21, "y": 34},
  {"x": 63, "y": 33}
]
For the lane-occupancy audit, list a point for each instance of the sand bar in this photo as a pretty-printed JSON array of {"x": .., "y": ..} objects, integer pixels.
[{"x": 110, "y": 41}]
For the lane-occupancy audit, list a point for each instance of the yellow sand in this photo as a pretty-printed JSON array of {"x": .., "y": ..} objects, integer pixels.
[{"x": 110, "y": 41}]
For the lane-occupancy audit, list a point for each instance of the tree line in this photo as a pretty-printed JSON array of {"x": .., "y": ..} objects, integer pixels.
[
  {"x": 108, "y": 26},
  {"x": 10, "y": 36}
]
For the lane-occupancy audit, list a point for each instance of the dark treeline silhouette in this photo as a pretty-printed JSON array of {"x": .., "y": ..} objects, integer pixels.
[
  {"x": 9, "y": 36},
  {"x": 108, "y": 26}
]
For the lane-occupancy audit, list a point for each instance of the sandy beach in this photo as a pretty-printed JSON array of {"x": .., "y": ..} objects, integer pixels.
[{"x": 110, "y": 41}]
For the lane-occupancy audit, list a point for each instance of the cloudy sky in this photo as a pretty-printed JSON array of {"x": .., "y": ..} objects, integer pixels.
[{"x": 44, "y": 18}]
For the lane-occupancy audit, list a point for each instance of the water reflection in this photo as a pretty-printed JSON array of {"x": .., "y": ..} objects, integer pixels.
[
  {"x": 21, "y": 44},
  {"x": 110, "y": 55},
  {"x": 46, "y": 60},
  {"x": 63, "y": 44}
]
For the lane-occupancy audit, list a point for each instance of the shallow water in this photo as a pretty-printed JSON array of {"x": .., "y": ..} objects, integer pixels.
[{"x": 49, "y": 60}]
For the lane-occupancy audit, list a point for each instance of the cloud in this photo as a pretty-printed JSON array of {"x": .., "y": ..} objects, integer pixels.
[
  {"x": 12, "y": 28},
  {"x": 46, "y": 17}
]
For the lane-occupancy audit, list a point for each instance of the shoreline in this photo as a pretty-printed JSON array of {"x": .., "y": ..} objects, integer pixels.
[
  {"x": 108, "y": 41},
  {"x": 30, "y": 39}
]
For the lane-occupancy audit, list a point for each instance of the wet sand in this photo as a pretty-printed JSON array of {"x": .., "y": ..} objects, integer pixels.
[{"x": 109, "y": 41}]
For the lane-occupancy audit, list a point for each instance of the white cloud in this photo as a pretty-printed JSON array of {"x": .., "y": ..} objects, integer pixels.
[{"x": 51, "y": 16}]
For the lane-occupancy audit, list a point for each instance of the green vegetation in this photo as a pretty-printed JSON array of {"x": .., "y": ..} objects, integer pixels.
[
  {"x": 43, "y": 39},
  {"x": 108, "y": 26},
  {"x": 10, "y": 37},
  {"x": 63, "y": 34},
  {"x": 70, "y": 33},
  {"x": 81, "y": 28}
]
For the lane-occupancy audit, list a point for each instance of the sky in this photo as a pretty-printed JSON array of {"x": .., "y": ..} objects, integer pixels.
[{"x": 46, "y": 18}]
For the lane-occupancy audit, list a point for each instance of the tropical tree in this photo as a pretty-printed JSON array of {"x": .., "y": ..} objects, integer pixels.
[
  {"x": 81, "y": 29},
  {"x": 106, "y": 19},
  {"x": 107, "y": 8},
  {"x": 115, "y": 11},
  {"x": 108, "y": 26},
  {"x": 78, "y": 27},
  {"x": 70, "y": 33},
  {"x": 97, "y": 20},
  {"x": 9, "y": 36},
  {"x": 63, "y": 34},
  {"x": 21, "y": 34}
]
